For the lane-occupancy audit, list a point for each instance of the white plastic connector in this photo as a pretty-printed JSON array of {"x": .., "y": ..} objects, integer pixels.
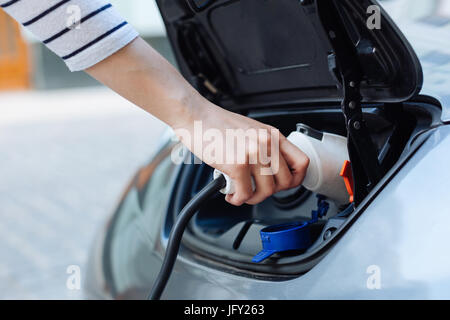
[
  {"x": 229, "y": 188},
  {"x": 326, "y": 158}
]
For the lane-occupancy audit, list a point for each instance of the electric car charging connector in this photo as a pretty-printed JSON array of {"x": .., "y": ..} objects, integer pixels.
[{"x": 327, "y": 152}]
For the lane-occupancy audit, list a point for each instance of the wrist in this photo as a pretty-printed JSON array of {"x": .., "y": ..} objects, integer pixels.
[{"x": 191, "y": 107}]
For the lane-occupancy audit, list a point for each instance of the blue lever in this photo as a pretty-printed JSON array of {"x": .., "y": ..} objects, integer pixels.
[
  {"x": 283, "y": 237},
  {"x": 289, "y": 236}
]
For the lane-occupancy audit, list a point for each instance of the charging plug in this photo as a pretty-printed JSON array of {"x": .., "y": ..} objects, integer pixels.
[{"x": 229, "y": 188}]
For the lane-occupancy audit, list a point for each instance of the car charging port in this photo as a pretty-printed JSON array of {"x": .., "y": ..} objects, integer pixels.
[{"x": 231, "y": 235}]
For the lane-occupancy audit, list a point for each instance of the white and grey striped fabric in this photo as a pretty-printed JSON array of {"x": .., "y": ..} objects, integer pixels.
[{"x": 81, "y": 32}]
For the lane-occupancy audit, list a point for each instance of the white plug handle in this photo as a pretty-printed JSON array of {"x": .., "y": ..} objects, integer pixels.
[{"x": 229, "y": 188}]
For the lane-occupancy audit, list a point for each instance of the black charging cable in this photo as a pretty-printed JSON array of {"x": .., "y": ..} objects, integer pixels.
[{"x": 173, "y": 245}]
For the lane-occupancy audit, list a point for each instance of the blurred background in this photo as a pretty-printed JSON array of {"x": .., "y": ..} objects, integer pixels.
[{"x": 68, "y": 146}]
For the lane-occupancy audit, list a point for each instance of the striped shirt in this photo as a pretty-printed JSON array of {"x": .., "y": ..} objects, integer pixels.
[{"x": 81, "y": 32}]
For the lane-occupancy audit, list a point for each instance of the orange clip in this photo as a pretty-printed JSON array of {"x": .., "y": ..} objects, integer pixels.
[{"x": 346, "y": 173}]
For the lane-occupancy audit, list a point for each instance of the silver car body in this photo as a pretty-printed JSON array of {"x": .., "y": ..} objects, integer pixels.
[{"x": 397, "y": 248}]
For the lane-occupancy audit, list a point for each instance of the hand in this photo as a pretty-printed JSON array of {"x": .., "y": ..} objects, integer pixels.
[
  {"x": 243, "y": 148},
  {"x": 144, "y": 77}
]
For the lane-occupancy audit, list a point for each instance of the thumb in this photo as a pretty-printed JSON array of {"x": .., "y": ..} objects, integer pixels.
[{"x": 296, "y": 160}]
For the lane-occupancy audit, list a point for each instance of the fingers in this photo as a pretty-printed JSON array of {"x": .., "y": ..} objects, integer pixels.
[
  {"x": 265, "y": 186},
  {"x": 283, "y": 176},
  {"x": 292, "y": 167},
  {"x": 296, "y": 160},
  {"x": 242, "y": 184}
]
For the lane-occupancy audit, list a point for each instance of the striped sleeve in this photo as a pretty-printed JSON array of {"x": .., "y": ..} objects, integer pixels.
[{"x": 81, "y": 32}]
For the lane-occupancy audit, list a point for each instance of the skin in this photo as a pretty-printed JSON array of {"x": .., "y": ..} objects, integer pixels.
[{"x": 141, "y": 75}]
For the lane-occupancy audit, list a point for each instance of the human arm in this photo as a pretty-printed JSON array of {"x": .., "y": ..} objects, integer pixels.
[
  {"x": 103, "y": 44},
  {"x": 144, "y": 77}
]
